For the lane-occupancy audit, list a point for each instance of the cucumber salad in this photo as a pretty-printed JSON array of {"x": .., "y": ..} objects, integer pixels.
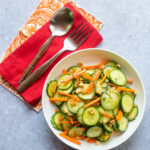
[{"x": 92, "y": 102}]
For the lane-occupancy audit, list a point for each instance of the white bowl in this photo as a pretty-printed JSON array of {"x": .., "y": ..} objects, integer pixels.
[{"x": 93, "y": 57}]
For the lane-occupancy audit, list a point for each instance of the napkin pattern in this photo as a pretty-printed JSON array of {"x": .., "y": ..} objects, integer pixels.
[{"x": 42, "y": 14}]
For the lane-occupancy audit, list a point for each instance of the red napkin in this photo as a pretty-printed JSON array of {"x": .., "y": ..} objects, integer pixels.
[{"x": 14, "y": 65}]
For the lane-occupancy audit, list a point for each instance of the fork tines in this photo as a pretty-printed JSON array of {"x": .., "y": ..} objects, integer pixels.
[{"x": 80, "y": 34}]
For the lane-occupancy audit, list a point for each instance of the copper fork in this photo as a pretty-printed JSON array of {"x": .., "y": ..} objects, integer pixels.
[{"x": 71, "y": 43}]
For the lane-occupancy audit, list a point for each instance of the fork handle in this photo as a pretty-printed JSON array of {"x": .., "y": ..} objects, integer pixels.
[
  {"x": 37, "y": 73},
  {"x": 40, "y": 53}
]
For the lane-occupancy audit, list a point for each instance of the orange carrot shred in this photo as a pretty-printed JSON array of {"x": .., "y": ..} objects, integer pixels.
[
  {"x": 71, "y": 120},
  {"x": 66, "y": 131},
  {"x": 103, "y": 63},
  {"x": 79, "y": 137},
  {"x": 92, "y": 102},
  {"x": 83, "y": 129},
  {"x": 114, "y": 132},
  {"x": 60, "y": 118},
  {"x": 58, "y": 99},
  {"x": 87, "y": 138},
  {"x": 64, "y": 71},
  {"x": 96, "y": 76},
  {"x": 107, "y": 115},
  {"x": 126, "y": 89},
  {"x": 56, "y": 110},
  {"x": 55, "y": 87},
  {"x": 70, "y": 139},
  {"x": 86, "y": 76},
  {"x": 65, "y": 122},
  {"x": 66, "y": 94},
  {"x": 92, "y": 141},
  {"x": 76, "y": 125},
  {"x": 90, "y": 88},
  {"x": 75, "y": 122},
  {"x": 105, "y": 76},
  {"x": 119, "y": 115},
  {"x": 130, "y": 81},
  {"x": 106, "y": 137},
  {"x": 81, "y": 65},
  {"x": 91, "y": 67}
]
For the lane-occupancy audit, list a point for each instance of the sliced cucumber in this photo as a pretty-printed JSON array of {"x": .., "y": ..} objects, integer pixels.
[
  {"x": 110, "y": 63},
  {"x": 90, "y": 116},
  {"x": 85, "y": 96},
  {"x": 58, "y": 115},
  {"x": 105, "y": 136},
  {"x": 64, "y": 86},
  {"x": 75, "y": 132},
  {"x": 129, "y": 93},
  {"x": 132, "y": 115},
  {"x": 100, "y": 88},
  {"x": 94, "y": 132},
  {"x": 116, "y": 109},
  {"x": 91, "y": 72},
  {"x": 50, "y": 86},
  {"x": 122, "y": 124},
  {"x": 73, "y": 106},
  {"x": 68, "y": 91},
  {"x": 64, "y": 109},
  {"x": 127, "y": 103},
  {"x": 57, "y": 95},
  {"x": 118, "y": 77},
  {"x": 73, "y": 69},
  {"x": 79, "y": 114},
  {"x": 53, "y": 123},
  {"x": 108, "y": 127},
  {"x": 66, "y": 125},
  {"x": 110, "y": 100},
  {"x": 103, "y": 118}
]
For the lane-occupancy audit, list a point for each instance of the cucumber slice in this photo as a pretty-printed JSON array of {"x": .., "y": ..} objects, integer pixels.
[
  {"x": 94, "y": 132},
  {"x": 85, "y": 96},
  {"x": 129, "y": 93},
  {"x": 116, "y": 109},
  {"x": 73, "y": 69},
  {"x": 122, "y": 124},
  {"x": 50, "y": 87},
  {"x": 66, "y": 125},
  {"x": 73, "y": 106},
  {"x": 68, "y": 91},
  {"x": 57, "y": 95},
  {"x": 57, "y": 115},
  {"x": 105, "y": 136},
  {"x": 100, "y": 88},
  {"x": 110, "y": 63},
  {"x": 64, "y": 86},
  {"x": 79, "y": 114},
  {"x": 132, "y": 115},
  {"x": 103, "y": 118},
  {"x": 118, "y": 77},
  {"x": 90, "y": 116},
  {"x": 127, "y": 103},
  {"x": 75, "y": 132},
  {"x": 91, "y": 72},
  {"x": 110, "y": 100},
  {"x": 108, "y": 128},
  {"x": 64, "y": 109},
  {"x": 53, "y": 123}
]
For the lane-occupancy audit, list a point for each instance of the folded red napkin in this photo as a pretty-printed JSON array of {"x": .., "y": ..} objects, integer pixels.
[{"x": 14, "y": 65}]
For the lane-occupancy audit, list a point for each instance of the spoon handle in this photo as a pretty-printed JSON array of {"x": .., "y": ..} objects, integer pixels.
[
  {"x": 37, "y": 73},
  {"x": 40, "y": 53}
]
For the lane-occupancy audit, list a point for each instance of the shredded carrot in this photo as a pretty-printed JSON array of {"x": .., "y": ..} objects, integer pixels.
[
  {"x": 71, "y": 120},
  {"x": 126, "y": 89},
  {"x": 119, "y": 115},
  {"x": 106, "y": 137},
  {"x": 78, "y": 73},
  {"x": 92, "y": 102},
  {"x": 107, "y": 72},
  {"x": 86, "y": 76},
  {"x": 87, "y": 138},
  {"x": 60, "y": 118},
  {"x": 83, "y": 129},
  {"x": 92, "y": 141},
  {"x": 64, "y": 71},
  {"x": 70, "y": 139},
  {"x": 66, "y": 131},
  {"x": 65, "y": 122},
  {"x": 96, "y": 76},
  {"x": 56, "y": 110},
  {"x": 76, "y": 125},
  {"x": 62, "y": 93},
  {"x": 130, "y": 81},
  {"x": 78, "y": 137},
  {"x": 55, "y": 87},
  {"x": 107, "y": 115},
  {"x": 77, "y": 82},
  {"x": 90, "y": 88},
  {"x": 113, "y": 85},
  {"x": 81, "y": 65},
  {"x": 114, "y": 132},
  {"x": 103, "y": 63},
  {"x": 75, "y": 122},
  {"x": 58, "y": 99}
]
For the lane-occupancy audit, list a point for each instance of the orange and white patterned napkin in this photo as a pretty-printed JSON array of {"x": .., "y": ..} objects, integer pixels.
[{"x": 41, "y": 15}]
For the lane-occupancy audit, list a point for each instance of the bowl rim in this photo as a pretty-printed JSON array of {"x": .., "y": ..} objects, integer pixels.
[{"x": 105, "y": 50}]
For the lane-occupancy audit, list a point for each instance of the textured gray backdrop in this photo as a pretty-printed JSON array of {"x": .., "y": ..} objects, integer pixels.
[{"x": 126, "y": 30}]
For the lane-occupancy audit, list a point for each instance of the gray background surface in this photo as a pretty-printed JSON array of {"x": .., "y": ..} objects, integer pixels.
[{"x": 126, "y": 31}]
